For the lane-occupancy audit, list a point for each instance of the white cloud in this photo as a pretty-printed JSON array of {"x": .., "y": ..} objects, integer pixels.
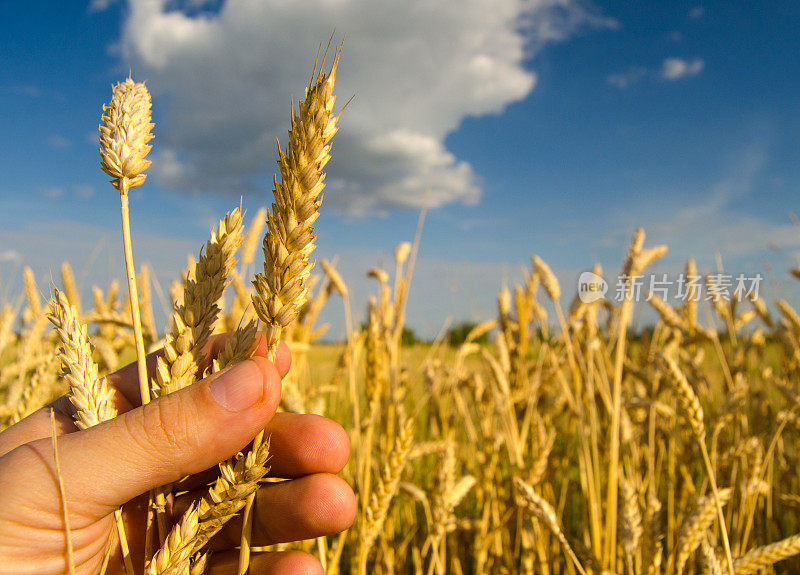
[
  {"x": 672, "y": 69},
  {"x": 221, "y": 84},
  {"x": 21, "y": 90},
  {"x": 697, "y": 12},
  {"x": 52, "y": 192},
  {"x": 167, "y": 168},
  {"x": 58, "y": 141},
  {"x": 101, "y": 5},
  {"x": 10, "y": 256},
  {"x": 84, "y": 191},
  {"x": 677, "y": 68},
  {"x": 626, "y": 79},
  {"x": 674, "y": 36}
]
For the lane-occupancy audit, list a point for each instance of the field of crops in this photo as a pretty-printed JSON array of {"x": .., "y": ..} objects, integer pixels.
[{"x": 544, "y": 442}]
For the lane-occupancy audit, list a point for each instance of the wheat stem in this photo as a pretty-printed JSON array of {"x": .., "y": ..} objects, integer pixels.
[
  {"x": 718, "y": 504},
  {"x": 63, "y": 494}
]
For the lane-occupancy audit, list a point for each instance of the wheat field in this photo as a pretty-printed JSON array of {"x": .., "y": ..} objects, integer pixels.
[{"x": 553, "y": 438}]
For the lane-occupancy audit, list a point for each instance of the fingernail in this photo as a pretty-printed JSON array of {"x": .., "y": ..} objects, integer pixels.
[{"x": 240, "y": 387}]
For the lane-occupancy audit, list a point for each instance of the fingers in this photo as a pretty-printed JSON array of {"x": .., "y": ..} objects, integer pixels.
[
  {"x": 304, "y": 508},
  {"x": 125, "y": 382},
  {"x": 180, "y": 434},
  {"x": 305, "y": 444},
  {"x": 312, "y": 506},
  {"x": 282, "y": 563},
  {"x": 299, "y": 445},
  {"x": 37, "y": 426}
]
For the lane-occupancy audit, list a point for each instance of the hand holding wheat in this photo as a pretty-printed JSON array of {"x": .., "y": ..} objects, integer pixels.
[{"x": 113, "y": 463}]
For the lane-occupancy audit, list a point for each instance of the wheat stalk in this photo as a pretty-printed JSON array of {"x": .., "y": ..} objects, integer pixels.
[
  {"x": 125, "y": 131},
  {"x": 636, "y": 261},
  {"x": 62, "y": 494},
  {"x": 281, "y": 290}
]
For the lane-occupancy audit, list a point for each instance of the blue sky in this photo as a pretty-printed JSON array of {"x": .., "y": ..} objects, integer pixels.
[{"x": 553, "y": 127}]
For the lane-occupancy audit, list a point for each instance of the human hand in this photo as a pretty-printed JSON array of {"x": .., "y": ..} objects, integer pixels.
[{"x": 117, "y": 463}]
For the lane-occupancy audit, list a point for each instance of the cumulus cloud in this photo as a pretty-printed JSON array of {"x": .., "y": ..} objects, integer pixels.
[
  {"x": 221, "y": 79},
  {"x": 677, "y": 68}
]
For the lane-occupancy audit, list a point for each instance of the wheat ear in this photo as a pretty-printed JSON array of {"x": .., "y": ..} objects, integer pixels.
[
  {"x": 375, "y": 514},
  {"x": 631, "y": 516},
  {"x": 712, "y": 566},
  {"x": 761, "y": 557},
  {"x": 193, "y": 320},
  {"x": 281, "y": 290},
  {"x": 239, "y": 347},
  {"x": 689, "y": 402},
  {"x": 68, "y": 278},
  {"x": 544, "y": 512},
  {"x": 695, "y": 525},
  {"x": 88, "y": 393},
  {"x": 237, "y": 481}
]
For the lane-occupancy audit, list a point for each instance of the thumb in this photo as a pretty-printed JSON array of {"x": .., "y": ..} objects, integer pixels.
[{"x": 177, "y": 435}]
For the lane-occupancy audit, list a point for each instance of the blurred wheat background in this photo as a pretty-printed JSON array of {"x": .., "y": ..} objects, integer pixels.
[{"x": 487, "y": 451}]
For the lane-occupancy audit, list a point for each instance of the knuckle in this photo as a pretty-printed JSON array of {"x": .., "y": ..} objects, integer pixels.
[{"x": 164, "y": 429}]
